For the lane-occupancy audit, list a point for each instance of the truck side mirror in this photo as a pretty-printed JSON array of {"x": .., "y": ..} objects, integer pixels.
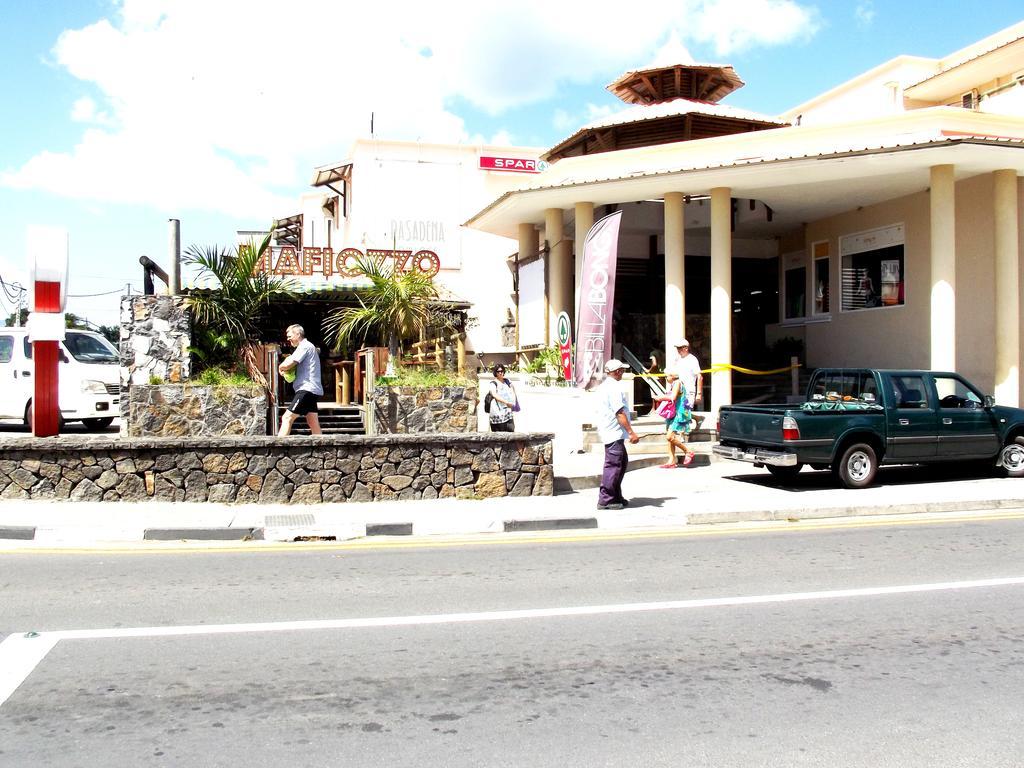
[{"x": 990, "y": 401}]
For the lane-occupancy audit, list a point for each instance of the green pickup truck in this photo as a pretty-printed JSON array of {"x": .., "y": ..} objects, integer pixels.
[{"x": 854, "y": 419}]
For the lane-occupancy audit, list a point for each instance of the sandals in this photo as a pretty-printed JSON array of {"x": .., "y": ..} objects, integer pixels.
[
  {"x": 673, "y": 465},
  {"x": 687, "y": 459}
]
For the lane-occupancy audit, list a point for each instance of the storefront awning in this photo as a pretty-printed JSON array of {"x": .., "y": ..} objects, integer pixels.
[
  {"x": 801, "y": 173},
  {"x": 301, "y": 286}
]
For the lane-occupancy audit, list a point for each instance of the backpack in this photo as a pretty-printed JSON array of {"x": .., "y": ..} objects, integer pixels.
[{"x": 489, "y": 397}]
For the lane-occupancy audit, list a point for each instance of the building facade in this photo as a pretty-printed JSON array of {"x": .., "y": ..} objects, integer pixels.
[
  {"x": 411, "y": 199},
  {"x": 880, "y": 223}
]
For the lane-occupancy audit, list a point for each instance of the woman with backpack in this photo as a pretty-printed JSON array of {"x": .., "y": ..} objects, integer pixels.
[{"x": 503, "y": 402}]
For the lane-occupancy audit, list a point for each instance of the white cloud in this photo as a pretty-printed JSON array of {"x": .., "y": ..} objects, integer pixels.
[
  {"x": 83, "y": 110},
  {"x": 730, "y": 26},
  {"x": 196, "y": 104},
  {"x": 563, "y": 121},
  {"x": 864, "y": 12},
  {"x": 570, "y": 123}
]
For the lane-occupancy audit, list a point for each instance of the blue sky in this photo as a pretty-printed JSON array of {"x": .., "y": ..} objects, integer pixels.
[{"x": 121, "y": 114}]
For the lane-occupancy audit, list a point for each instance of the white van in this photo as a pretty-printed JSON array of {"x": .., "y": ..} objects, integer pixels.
[{"x": 89, "y": 377}]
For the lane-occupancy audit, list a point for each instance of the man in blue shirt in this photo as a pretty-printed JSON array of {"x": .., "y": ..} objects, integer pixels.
[
  {"x": 614, "y": 429},
  {"x": 306, "y": 363}
]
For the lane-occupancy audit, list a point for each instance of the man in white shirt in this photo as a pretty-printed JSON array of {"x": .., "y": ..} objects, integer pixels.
[
  {"x": 614, "y": 429},
  {"x": 307, "y": 385},
  {"x": 687, "y": 368}
]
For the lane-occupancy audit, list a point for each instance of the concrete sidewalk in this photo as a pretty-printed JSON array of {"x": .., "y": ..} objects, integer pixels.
[{"x": 719, "y": 492}]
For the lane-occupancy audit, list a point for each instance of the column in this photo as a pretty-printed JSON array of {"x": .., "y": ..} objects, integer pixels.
[
  {"x": 1007, "y": 276},
  {"x": 721, "y": 297},
  {"x": 943, "y": 264},
  {"x": 675, "y": 278},
  {"x": 559, "y": 288},
  {"x": 584, "y": 221},
  {"x": 527, "y": 250}
]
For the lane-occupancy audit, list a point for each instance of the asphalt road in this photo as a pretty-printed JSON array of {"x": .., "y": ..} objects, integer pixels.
[{"x": 473, "y": 655}]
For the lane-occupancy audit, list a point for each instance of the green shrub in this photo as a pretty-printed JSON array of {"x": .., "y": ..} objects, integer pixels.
[
  {"x": 155, "y": 380},
  {"x": 218, "y": 377},
  {"x": 412, "y": 377},
  {"x": 545, "y": 356}
]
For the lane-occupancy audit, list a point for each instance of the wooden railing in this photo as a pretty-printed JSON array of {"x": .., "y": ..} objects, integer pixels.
[{"x": 431, "y": 352}]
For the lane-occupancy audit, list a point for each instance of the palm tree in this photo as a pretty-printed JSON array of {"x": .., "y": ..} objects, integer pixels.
[
  {"x": 226, "y": 317},
  {"x": 397, "y": 304}
]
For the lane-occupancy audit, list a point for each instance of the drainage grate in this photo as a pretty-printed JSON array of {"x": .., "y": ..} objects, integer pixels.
[{"x": 288, "y": 521}]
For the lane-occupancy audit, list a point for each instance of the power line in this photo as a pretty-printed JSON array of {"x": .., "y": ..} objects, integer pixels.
[
  {"x": 91, "y": 295},
  {"x": 14, "y": 291}
]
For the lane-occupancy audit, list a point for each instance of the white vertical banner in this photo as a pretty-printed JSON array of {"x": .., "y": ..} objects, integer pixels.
[{"x": 596, "y": 300}]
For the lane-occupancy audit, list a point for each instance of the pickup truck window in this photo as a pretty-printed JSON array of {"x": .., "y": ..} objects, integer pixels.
[
  {"x": 955, "y": 393},
  {"x": 6, "y": 348},
  {"x": 909, "y": 392},
  {"x": 845, "y": 385}
]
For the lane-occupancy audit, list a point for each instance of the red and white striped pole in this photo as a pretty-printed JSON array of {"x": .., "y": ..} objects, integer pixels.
[{"x": 48, "y": 256}]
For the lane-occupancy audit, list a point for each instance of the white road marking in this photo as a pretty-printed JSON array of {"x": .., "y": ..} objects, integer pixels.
[{"x": 19, "y": 654}]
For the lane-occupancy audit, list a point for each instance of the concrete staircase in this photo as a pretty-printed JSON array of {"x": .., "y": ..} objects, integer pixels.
[
  {"x": 651, "y": 449},
  {"x": 335, "y": 419}
]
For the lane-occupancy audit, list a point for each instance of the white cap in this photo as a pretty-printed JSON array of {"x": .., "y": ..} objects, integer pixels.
[
  {"x": 614, "y": 365},
  {"x": 681, "y": 343}
]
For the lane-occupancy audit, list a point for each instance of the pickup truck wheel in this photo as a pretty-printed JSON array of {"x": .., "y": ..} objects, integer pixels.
[
  {"x": 1011, "y": 460},
  {"x": 784, "y": 473},
  {"x": 858, "y": 465}
]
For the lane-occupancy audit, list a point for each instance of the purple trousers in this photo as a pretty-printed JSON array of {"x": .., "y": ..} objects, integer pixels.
[{"x": 615, "y": 461}]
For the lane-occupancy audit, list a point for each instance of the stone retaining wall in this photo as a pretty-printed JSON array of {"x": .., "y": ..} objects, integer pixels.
[
  {"x": 193, "y": 410},
  {"x": 425, "y": 409},
  {"x": 155, "y": 337},
  {"x": 295, "y": 470}
]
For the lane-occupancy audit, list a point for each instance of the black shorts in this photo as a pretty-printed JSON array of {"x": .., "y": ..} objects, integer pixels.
[
  {"x": 304, "y": 402},
  {"x": 503, "y": 426}
]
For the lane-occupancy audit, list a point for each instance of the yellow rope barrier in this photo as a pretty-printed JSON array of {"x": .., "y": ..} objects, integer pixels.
[{"x": 725, "y": 367}]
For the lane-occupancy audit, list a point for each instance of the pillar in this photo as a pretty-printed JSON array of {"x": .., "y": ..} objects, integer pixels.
[
  {"x": 1007, "y": 276},
  {"x": 584, "y": 221},
  {"x": 527, "y": 250},
  {"x": 675, "y": 278},
  {"x": 943, "y": 268},
  {"x": 721, "y": 297},
  {"x": 559, "y": 271}
]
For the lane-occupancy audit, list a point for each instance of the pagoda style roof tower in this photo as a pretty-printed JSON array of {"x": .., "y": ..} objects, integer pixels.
[
  {"x": 697, "y": 82},
  {"x": 677, "y": 102}
]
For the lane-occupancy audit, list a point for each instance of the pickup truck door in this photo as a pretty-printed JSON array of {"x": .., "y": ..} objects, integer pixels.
[
  {"x": 966, "y": 430},
  {"x": 910, "y": 418}
]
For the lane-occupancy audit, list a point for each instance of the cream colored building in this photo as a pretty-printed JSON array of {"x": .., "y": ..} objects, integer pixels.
[
  {"x": 886, "y": 214},
  {"x": 414, "y": 197}
]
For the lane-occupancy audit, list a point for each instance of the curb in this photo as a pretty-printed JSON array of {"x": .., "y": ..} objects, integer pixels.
[
  {"x": 21, "y": 533},
  {"x": 815, "y": 513},
  {"x": 200, "y": 534},
  {"x": 351, "y": 531},
  {"x": 562, "y": 524}
]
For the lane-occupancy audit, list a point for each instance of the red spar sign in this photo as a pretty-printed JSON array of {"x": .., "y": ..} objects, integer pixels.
[{"x": 513, "y": 164}]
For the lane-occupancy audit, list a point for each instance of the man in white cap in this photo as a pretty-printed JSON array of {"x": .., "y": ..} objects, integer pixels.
[
  {"x": 614, "y": 429},
  {"x": 687, "y": 368}
]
